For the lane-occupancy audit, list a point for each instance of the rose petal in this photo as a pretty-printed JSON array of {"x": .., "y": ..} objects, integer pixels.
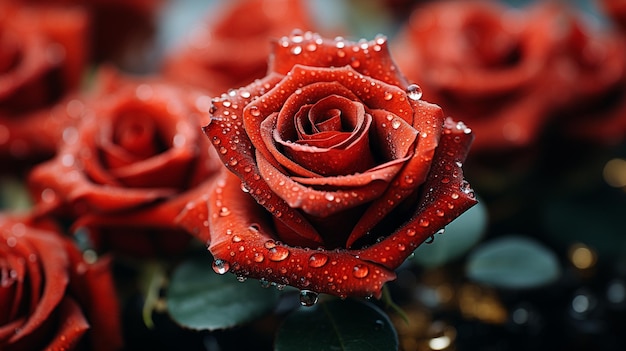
[
  {"x": 284, "y": 97},
  {"x": 73, "y": 326},
  {"x": 370, "y": 58},
  {"x": 226, "y": 132},
  {"x": 242, "y": 239},
  {"x": 429, "y": 125},
  {"x": 448, "y": 196},
  {"x": 54, "y": 263},
  {"x": 319, "y": 203}
]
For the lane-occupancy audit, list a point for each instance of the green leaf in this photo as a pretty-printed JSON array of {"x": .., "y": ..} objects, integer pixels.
[
  {"x": 459, "y": 236},
  {"x": 340, "y": 325},
  {"x": 513, "y": 262},
  {"x": 200, "y": 299}
]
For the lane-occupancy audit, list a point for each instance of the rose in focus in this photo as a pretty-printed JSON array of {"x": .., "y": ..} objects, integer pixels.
[
  {"x": 339, "y": 170},
  {"x": 50, "y": 296},
  {"x": 130, "y": 167}
]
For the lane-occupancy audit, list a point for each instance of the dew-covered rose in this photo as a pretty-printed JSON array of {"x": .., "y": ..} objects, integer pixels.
[
  {"x": 229, "y": 48},
  {"x": 51, "y": 298},
  {"x": 499, "y": 70},
  {"x": 339, "y": 170},
  {"x": 42, "y": 56},
  {"x": 131, "y": 165}
]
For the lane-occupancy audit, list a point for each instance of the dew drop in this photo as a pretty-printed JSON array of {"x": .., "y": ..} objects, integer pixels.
[
  {"x": 410, "y": 232},
  {"x": 318, "y": 260},
  {"x": 278, "y": 253},
  {"x": 224, "y": 211},
  {"x": 388, "y": 96},
  {"x": 48, "y": 195},
  {"x": 414, "y": 92},
  {"x": 270, "y": 244},
  {"x": 360, "y": 271},
  {"x": 241, "y": 278},
  {"x": 439, "y": 213},
  {"x": 308, "y": 298},
  {"x": 244, "y": 188},
  {"x": 236, "y": 239},
  {"x": 296, "y": 50},
  {"x": 221, "y": 266},
  {"x": 258, "y": 257},
  {"x": 329, "y": 196},
  {"x": 423, "y": 222},
  {"x": 255, "y": 111},
  {"x": 396, "y": 124}
]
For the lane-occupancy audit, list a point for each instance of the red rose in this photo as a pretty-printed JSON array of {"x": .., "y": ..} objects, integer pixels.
[
  {"x": 131, "y": 165},
  {"x": 231, "y": 49},
  {"x": 492, "y": 67},
  {"x": 593, "y": 70},
  {"x": 50, "y": 297},
  {"x": 339, "y": 170},
  {"x": 616, "y": 9},
  {"x": 121, "y": 31},
  {"x": 42, "y": 56}
]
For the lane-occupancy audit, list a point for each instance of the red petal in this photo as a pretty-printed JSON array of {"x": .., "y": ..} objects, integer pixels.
[
  {"x": 73, "y": 326},
  {"x": 235, "y": 149},
  {"x": 428, "y": 123},
  {"x": 446, "y": 196},
  {"x": 242, "y": 237},
  {"x": 371, "y": 58}
]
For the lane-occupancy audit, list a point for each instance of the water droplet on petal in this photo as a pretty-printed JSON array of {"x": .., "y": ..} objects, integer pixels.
[
  {"x": 388, "y": 96},
  {"x": 318, "y": 260},
  {"x": 308, "y": 298},
  {"x": 360, "y": 271},
  {"x": 414, "y": 92},
  {"x": 221, "y": 266},
  {"x": 423, "y": 222},
  {"x": 258, "y": 257},
  {"x": 278, "y": 253},
  {"x": 255, "y": 111},
  {"x": 396, "y": 124}
]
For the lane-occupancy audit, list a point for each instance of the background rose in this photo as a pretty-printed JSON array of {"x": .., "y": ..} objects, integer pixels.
[
  {"x": 120, "y": 31},
  {"x": 230, "y": 49},
  {"x": 42, "y": 57},
  {"x": 497, "y": 71},
  {"x": 343, "y": 155},
  {"x": 130, "y": 166},
  {"x": 50, "y": 297}
]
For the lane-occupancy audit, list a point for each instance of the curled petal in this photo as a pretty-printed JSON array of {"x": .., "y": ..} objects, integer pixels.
[
  {"x": 428, "y": 124},
  {"x": 370, "y": 58},
  {"x": 227, "y": 134},
  {"x": 241, "y": 238},
  {"x": 447, "y": 195}
]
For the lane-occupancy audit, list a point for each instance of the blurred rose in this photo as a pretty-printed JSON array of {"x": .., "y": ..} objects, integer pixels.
[
  {"x": 42, "y": 57},
  {"x": 121, "y": 31},
  {"x": 496, "y": 68},
  {"x": 231, "y": 47},
  {"x": 131, "y": 165},
  {"x": 50, "y": 297},
  {"x": 616, "y": 10},
  {"x": 340, "y": 170}
]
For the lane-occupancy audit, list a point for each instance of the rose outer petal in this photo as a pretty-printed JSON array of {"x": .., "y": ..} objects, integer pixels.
[
  {"x": 370, "y": 58},
  {"x": 240, "y": 238}
]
